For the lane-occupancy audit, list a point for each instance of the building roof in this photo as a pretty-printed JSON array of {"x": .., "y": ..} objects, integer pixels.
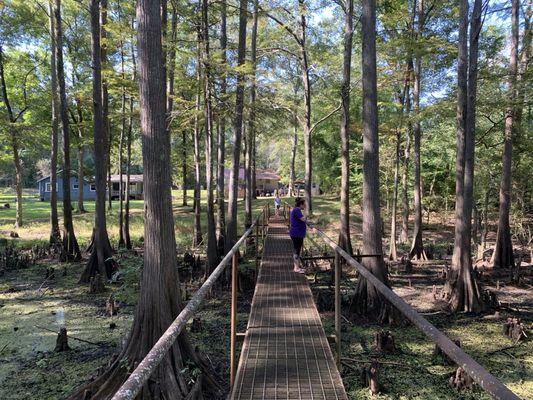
[
  {"x": 133, "y": 178},
  {"x": 60, "y": 176},
  {"x": 259, "y": 174}
]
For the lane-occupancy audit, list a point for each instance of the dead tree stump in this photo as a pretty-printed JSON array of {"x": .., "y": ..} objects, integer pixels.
[
  {"x": 111, "y": 306},
  {"x": 196, "y": 325},
  {"x": 513, "y": 328},
  {"x": 369, "y": 376},
  {"x": 96, "y": 285},
  {"x": 490, "y": 299},
  {"x": 62, "y": 340},
  {"x": 384, "y": 342},
  {"x": 437, "y": 351},
  {"x": 460, "y": 380}
]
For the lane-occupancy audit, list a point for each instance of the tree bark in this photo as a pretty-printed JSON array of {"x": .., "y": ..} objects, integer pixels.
[
  {"x": 231, "y": 234},
  {"x": 417, "y": 247},
  {"x": 71, "y": 250},
  {"x": 404, "y": 231},
  {"x": 81, "y": 155},
  {"x": 14, "y": 140},
  {"x": 105, "y": 97},
  {"x": 197, "y": 239},
  {"x": 367, "y": 300},
  {"x": 393, "y": 254},
  {"x": 503, "y": 256},
  {"x": 55, "y": 233},
  {"x": 211, "y": 248},
  {"x": 251, "y": 122},
  {"x": 344, "y": 235},
  {"x": 294, "y": 147},
  {"x": 123, "y": 133},
  {"x": 462, "y": 289},
  {"x": 159, "y": 298},
  {"x": 99, "y": 262},
  {"x": 126, "y": 234},
  {"x": 221, "y": 133},
  {"x": 304, "y": 67}
]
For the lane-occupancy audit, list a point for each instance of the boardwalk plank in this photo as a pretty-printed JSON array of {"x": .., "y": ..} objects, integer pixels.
[{"x": 285, "y": 353}]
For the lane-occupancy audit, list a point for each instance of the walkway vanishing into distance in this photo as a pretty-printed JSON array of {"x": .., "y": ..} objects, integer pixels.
[{"x": 285, "y": 354}]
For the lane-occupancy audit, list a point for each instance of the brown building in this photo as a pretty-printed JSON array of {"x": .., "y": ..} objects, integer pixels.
[{"x": 267, "y": 181}]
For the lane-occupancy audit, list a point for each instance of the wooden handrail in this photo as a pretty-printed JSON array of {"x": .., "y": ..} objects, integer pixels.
[
  {"x": 483, "y": 378},
  {"x": 146, "y": 367}
]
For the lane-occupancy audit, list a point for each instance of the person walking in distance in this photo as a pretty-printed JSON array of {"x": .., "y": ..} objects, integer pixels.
[
  {"x": 298, "y": 229},
  {"x": 277, "y": 203}
]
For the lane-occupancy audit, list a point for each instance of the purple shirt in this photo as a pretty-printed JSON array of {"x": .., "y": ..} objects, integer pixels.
[{"x": 298, "y": 227}]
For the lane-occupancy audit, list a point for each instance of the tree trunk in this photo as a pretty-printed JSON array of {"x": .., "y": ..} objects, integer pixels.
[
  {"x": 18, "y": 175},
  {"x": 462, "y": 289},
  {"x": 344, "y": 235},
  {"x": 121, "y": 191},
  {"x": 404, "y": 232},
  {"x": 81, "y": 171},
  {"x": 105, "y": 97},
  {"x": 221, "y": 133},
  {"x": 159, "y": 298},
  {"x": 126, "y": 234},
  {"x": 304, "y": 67},
  {"x": 417, "y": 247},
  {"x": 197, "y": 239},
  {"x": 248, "y": 170},
  {"x": 55, "y": 233},
  {"x": 393, "y": 255},
  {"x": 99, "y": 262},
  {"x": 211, "y": 248},
  {"x": 231, "y": 234},
  {"x": 294, "y": 147},
  {"x": 126, "y": 226},
  {"x": 503, "y": 256},
  {"x": 71, "y": 250},
  {"x": 367, "y": 300},
  {"x": 14, "y": 141},
  {"x": 184, "y": 202},
  {"x": 404, "y": 103}
]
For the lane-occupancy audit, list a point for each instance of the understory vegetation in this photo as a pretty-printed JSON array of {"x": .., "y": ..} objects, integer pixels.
[{"x": 32, "y": 308}]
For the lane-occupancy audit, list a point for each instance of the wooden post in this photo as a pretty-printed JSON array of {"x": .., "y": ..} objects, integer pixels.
[
  {"x": 338, "y": 271},
  {"x": 263, "y": 227},
  {"x": 233, "y": 366},
  {"x": 256, "y": 240}
]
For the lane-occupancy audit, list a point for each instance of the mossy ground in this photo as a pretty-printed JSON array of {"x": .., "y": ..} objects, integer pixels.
[{"x": 29, "y": 369}]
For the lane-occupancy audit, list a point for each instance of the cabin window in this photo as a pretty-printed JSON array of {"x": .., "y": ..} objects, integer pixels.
[
  {"x": 93, "y": 187},
  {"x": 48, "y": 188},
  {"x": 116, "y": 186},
  {"x": 75, "y": 186}
]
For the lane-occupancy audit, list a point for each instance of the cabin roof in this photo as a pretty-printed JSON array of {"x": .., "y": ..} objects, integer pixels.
[{"x": 60, "y": 176}]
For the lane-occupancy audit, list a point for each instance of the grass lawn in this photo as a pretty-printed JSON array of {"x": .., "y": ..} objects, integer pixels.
[{"x": 36, "y": 214}]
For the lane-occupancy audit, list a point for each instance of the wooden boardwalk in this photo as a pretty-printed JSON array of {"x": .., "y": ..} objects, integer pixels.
[{"x": 285, "y": 354}]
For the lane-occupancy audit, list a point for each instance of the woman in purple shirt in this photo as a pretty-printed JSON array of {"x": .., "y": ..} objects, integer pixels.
[{"x": 297, "y": 232}]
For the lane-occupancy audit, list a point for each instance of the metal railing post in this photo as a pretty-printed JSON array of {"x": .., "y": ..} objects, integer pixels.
[
  {"x": 233, "y": 339},
  {"x": 338, "y": 272}
]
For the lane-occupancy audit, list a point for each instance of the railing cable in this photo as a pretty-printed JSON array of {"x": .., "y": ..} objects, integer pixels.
[{"x": 487, "y": 382}]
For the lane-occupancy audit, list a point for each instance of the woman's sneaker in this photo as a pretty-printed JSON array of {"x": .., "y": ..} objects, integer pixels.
[{"x": 299, "y": 270}]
